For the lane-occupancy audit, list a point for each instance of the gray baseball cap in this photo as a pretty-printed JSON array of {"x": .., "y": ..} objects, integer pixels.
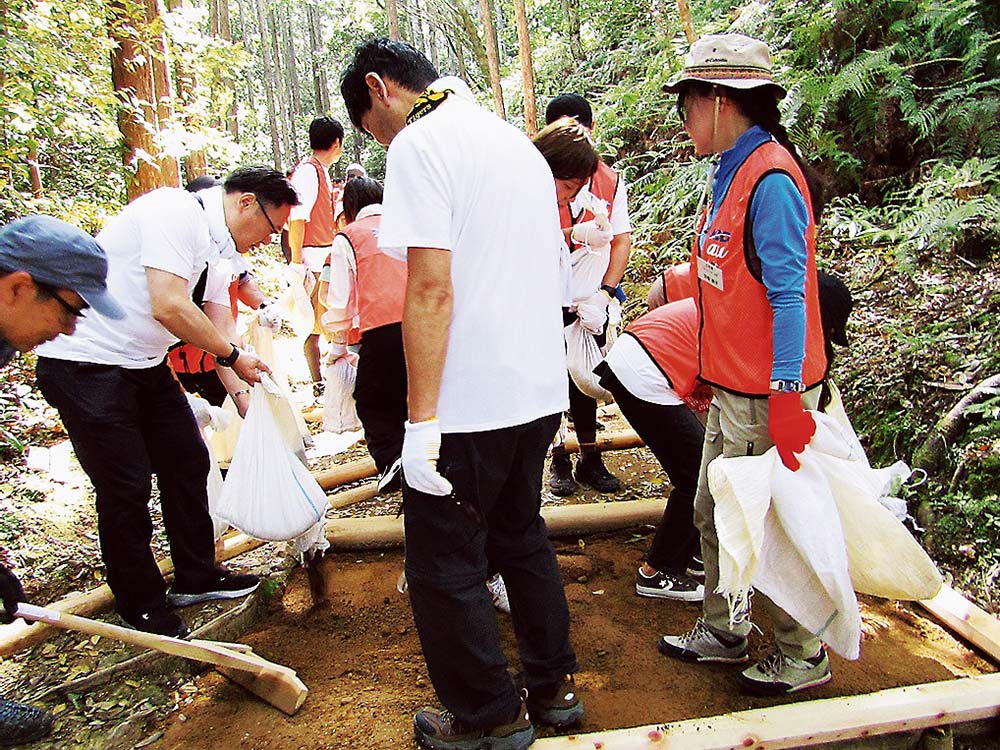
[{"x": 60, "y": 255}]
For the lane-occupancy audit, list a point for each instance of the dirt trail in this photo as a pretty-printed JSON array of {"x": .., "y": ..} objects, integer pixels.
[{"x": 361, "y": 659}]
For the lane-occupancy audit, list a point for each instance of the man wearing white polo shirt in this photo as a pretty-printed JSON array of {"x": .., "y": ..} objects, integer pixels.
[
  {"x": 125, "y": 413},
  {"x": 471, "y": 205}
]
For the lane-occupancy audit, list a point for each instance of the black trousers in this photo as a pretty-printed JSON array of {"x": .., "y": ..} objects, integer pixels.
[
  {"x": 204, "y": 384},
  {"x": 126, "y": 425},
  {"x": 380, "y": 392},
  {"x": 491, "y": 519},
  {"x": 675, "y": 436}
]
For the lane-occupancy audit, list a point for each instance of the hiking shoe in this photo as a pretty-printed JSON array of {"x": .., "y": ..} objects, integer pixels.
[
  {"x": 438, "y": 729},
  {"x": 498, "y": 590},
  {"x": 560, "y": 710},
  {"x": 696, "y": 568},
  {"x": 20, "y": 724},
  {"x": 561, "y": 482},
  {"x": 665, "y": 585},
  {"x": 779, "y": 674},
  {"x": 162, "y": 621},
  {"x": 702, "y": 645},
  {"x": 226, "y": 586},
  {"x": 590, "y": 470}
]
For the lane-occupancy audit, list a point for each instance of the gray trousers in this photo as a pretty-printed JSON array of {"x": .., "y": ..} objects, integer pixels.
[{"x": 737, "y": 426}]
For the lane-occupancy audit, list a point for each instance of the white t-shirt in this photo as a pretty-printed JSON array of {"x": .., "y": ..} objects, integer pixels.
[
  {"x": 168, "y": 230},
  {"x": 463, "y": 180},
  {"x": 639, "y": 374},
  {"x": 305, "y": 180}
]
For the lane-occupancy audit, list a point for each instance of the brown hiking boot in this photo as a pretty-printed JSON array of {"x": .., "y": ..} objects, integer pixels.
[{"x": 438, "y": 729}]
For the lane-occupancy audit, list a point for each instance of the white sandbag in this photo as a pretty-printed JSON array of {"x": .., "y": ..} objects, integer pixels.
[
  {"x": 219, "y": 524},
  {"x": 295, "y": 306},
  {"x": 269, "y": 493},
  {"x": 808, "y": 539},
  {"x": 340, "y": 412},
  {"x": 260, "y": 340},
  {"x": 223, "y": 441},
  {"x": 211, "y": 418},
  {"x": 582, "y": 356}
]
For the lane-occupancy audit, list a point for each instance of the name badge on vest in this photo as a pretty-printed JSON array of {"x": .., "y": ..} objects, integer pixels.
[{"x": 710, "y": 273}]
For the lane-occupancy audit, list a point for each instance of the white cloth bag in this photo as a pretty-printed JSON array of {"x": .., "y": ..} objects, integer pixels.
[
  {"x": 211, "y": 419},
  {"x": 269, "y": 493},
  {"x": 808, "y": 539},
  {"x": 583, "y": 354},
  {"x": 340, "y": 412}
]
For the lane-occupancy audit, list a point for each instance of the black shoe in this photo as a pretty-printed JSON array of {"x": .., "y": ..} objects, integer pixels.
[
  {"x": 20, "y": 724},
  {"x": 162, "y": 621},
  {"x": 696, "y": 568},
  {"x": 590, "y": 470},
  {"x": 561, "y": 709},
  {"x": 561, "y": 482},
  {"x": 391, "y": 479},
  {"x": 438, "y": 729},
  {"x": 226, "y": 586}
]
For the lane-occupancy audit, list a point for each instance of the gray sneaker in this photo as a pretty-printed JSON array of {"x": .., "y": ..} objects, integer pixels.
[
  {"x": 701, "y": 644},
  {"x": 666, "y": 585},
  {"x": 779, "y": 674}
]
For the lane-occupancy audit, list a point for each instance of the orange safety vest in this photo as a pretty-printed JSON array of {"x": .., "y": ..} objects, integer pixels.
[
  {"x": 381, "y": 280},
  {"x": 677, "y": 283},
  {"x": 188, "y": 358},
  {"x": 320, "y": 229},
  {"x": 669, "y": 335},
  {"x": 603, "y": 185},
  {"x": 735, "y": 323}
]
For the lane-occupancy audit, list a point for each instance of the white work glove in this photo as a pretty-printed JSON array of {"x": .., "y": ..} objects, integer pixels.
[
  {"x": 339, "y": 351},
  {"x": 421, "y": 448},
  {"x": 269, "y": 317},
  {"x": 593, "y": 233},
  {"x": 593, "y": 311},
  {"x": 201, "y": 409},
  {"x": 298, "y": 274}
]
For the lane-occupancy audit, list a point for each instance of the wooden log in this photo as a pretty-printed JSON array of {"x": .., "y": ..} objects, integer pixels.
[
  {"x": 340, "y": 474},
  {"x": 978, "y": 627},
  {"x": 808, "y": 723},
  {"x": 615, "y": 441},
  {"x": 353, "y": 496},
  {"x": 565, "y": 520}
]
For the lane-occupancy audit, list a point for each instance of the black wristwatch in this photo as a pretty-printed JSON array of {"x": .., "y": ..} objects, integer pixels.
[
  {"x": 230, "y": 359},
  {"x": 611, "y": 290}
]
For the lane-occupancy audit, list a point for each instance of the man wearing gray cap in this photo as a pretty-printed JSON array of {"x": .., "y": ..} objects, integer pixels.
[
  {"x": 123, "y": 409},
  {"x": 50, "y": 274}
]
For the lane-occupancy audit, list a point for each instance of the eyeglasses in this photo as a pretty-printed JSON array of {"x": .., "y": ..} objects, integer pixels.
[
  {"x": 275, "y": 233},
  {"x": 53, "y": 292},
  {"x": 684, "y": 107}
]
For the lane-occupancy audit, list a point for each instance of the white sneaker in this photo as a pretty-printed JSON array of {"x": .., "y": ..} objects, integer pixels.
[{"x": 498, "y": 590}]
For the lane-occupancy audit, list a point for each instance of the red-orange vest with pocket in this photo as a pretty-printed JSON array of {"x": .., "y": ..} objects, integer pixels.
[
  {"x": 189, "y": 358},
  {"x": 320, "y": 229},
  {"x": 381, "y": 281},
  {"x": 735, "y": 328},
  {"x": 669, "y": 335},
  {"x": 677, "y": 282},
  {"x": 603, "y": 185}
]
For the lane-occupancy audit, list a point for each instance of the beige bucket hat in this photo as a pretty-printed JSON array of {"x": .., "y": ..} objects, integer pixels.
[{"x": 733, "y": 60}]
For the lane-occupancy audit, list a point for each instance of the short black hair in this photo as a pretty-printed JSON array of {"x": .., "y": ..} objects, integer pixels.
[
  {"x": 269, "y": 185},
  {"x": 389, "y": 59},
  {"x": 570, "y": 105},
  {"x": 324, "y": 132},
  {"x": 358, "y": 193},
  {"x": 202, "y": 183}
]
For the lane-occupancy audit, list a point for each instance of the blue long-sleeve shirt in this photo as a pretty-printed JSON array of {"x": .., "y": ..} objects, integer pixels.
[{"x": 779, "y": 219}]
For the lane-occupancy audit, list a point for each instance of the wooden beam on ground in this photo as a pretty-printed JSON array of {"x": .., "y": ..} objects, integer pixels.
[
  {"x": 340, "y": 474},
  {"x": 977, "y": 626},
  {"x": 564, "y": 520},
  {"x": 353, "y": 496},
  {"x": 808, "y": 723}
]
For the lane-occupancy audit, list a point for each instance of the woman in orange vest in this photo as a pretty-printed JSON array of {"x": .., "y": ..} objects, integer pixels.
[
  {"x": 363, "y": 289},
  {"x": 760, "y": 337}
]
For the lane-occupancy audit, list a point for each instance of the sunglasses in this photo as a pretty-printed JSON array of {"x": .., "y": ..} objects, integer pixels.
[{"x": 53, "y": 292}]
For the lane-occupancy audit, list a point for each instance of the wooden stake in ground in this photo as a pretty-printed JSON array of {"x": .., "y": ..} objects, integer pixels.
[{"x": 276, "y": 684}]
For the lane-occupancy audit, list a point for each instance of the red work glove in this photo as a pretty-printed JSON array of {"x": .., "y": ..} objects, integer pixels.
[{"x": 790, "y": 426}]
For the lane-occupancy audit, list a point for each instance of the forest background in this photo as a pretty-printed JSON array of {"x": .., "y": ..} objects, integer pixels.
[{"x": 896, "y": 102}]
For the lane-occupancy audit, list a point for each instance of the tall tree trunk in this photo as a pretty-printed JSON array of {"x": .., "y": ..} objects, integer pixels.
[
  {"x": 270, "y": 83},
  {"x": 527, "y": 72},
  {"x": 132, "y": 79},
  {"x": 685, "y": 13},
  {"x": 320, "y": 84},
  {"x": 35, "y": 171},
  {"x": 220, "y": 27},
  {"x": 291, "y": 69},
  {"x": 163, "y": 89},
  {"x": 492, "y": 55},
  {"x": 281, "y": 93},
  {"x": 392, "y": 14},
  {"x": 186, "y": 83},
  {"x": 573, "y": 28}
]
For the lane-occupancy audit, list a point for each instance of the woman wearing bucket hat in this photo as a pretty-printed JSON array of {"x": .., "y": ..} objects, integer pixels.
[{"x": 760, "y": 334}]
